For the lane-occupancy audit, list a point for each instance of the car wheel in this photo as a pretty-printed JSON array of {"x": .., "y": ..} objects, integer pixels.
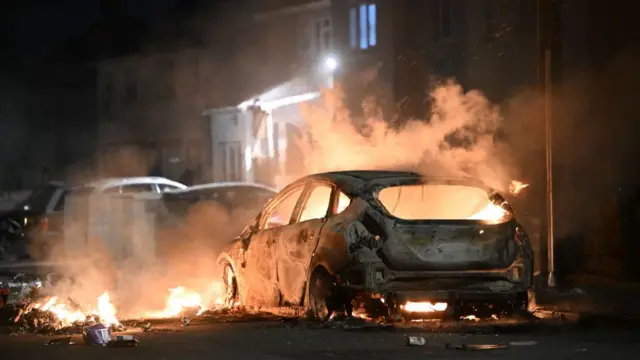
[
  {"x": 230, "y": 286},
  {"x": 320, "y": 294}
]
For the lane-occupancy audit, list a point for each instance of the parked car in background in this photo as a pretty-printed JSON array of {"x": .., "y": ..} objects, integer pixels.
[
  {"x": 33, "y": 225},
  {"x": 396, "y": 241},
  {"x": 240, "y": 200}
]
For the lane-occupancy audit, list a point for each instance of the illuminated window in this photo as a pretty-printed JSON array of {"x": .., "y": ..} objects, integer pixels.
[
  {"x": 343, "y": 202},
  {"x": 281, "y": 215},
  {"x": 317, "y": 204},
  {"x": 363, "y": 26}
]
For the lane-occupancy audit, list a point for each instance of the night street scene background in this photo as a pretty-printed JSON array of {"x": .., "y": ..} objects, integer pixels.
[{"x": 147, "y": 145}]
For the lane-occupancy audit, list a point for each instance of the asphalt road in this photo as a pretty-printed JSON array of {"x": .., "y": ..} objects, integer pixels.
[{"x": 291, "y": 340}]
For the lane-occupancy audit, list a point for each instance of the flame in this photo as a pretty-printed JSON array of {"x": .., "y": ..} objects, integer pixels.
[
  {"x": 424, "y": 306},
  {"x": 67, "y": 316},
  {"x": 178, "y": 301},
  {"x": 106, "y": 310},
  {"x": 517, "y": 186},
  {"x": 61, "y": 311},
  {"x": 492, "y": 213},
  {"x": 470, "y": 318}
]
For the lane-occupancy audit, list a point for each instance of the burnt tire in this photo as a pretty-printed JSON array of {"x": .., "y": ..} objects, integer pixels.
[
  {"x": 230, "y": 285},
  {"x": 321, "y": 295}
]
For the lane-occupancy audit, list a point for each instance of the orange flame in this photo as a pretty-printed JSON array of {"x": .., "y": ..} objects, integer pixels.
[
  {"x": 67, "y": 316},
  {"x": 492, "y": 213},
  {"x": 517, "y": 186},
  {"x": 424, "y": 307}
]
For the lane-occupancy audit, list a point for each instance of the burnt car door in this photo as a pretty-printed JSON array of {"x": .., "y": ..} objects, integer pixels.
[
  {"x": 260, "y": 255},
  {"x": 297, "y": 241}
]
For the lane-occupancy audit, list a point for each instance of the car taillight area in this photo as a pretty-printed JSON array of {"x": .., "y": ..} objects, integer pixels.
[{"x": 43, "y": 224}]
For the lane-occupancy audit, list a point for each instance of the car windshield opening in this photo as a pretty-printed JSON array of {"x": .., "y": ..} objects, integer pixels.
[{"x": 440, "y": 202}]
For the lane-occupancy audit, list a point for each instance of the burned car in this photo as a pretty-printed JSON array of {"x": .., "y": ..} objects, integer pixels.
[{"x": 414, "y": 245}]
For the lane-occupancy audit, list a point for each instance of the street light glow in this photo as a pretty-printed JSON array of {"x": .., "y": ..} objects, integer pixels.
[{"x": 331, "y": 63}]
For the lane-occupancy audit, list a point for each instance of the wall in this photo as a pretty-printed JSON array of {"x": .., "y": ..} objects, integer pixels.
[{"x": 155, "y": 102}]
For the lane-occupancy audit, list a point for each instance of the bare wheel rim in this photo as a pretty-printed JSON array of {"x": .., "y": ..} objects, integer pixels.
[
  {"x": 320, "y": 292},
  {"x": 231, "y": 286}
]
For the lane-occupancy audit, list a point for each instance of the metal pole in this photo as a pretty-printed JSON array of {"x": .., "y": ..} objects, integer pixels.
[{"x": 551, "y": 281}]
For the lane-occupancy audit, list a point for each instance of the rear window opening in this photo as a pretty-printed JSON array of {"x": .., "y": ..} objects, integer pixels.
[{"x": 441, "y": 202}]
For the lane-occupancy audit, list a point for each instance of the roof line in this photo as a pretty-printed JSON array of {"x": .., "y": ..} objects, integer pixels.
[{"x": 290, "y": 10}]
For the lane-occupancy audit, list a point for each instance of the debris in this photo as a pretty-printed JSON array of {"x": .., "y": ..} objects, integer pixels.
[
  {"x": 97, "y": 334},
  {"x": 118, "y": 328},
  {"x": 415, "y": 341},
  {"x": 123, "y": 341},
  {"x": 355, "y": 324},
  {"x": 577, "y": 291},
  {"x": 61, "y": 341},
  {"x": 476, "y": 346},
  {"x": 186, "y": 321},
  {"x": 523, "y": 343}
]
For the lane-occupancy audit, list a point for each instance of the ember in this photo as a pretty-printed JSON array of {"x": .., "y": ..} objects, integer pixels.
[
  {"x": 424, "y": 307},
  {"x": 516, "y": 187}
]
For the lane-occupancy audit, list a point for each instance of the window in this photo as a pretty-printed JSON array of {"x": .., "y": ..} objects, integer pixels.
[
  {"x": 231, "y": 161},
  {"x": 281, "y": 214},
  {"x": 60, "y": 204},
  {"x": 442, "y": 24},
  {"x": 343, "y": 202},
  {"x": 317, "y": 203},
  {"x": 165, "y": 187},
  {"x": 322, "y": 36},
  {"x": 136, "y": 188},
  {"x": 440, "y": 202},
  {"x": 363, "y": 26}
]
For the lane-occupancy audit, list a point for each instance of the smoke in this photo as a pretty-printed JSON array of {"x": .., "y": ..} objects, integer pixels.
[{"x": 458, "y": 139}]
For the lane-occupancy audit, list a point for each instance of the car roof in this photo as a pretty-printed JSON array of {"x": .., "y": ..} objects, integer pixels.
[
  {"x": 354, "y": 182},
  {"x": 220, "y": 185},
  {"x": 113, "y": 182}
]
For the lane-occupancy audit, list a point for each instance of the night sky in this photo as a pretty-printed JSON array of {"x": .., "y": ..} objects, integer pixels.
[{"x": 31, "y": 28}]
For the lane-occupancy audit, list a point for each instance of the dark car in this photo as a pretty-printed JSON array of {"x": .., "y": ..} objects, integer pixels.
[
  {"x": 36, "y": 225},
  {"x": 410, "y": 244},
  {"x": 39, "y": 214}
]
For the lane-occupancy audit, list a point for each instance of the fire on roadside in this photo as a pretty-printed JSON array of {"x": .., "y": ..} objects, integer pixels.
[
  {"x": 67, "y": 315},
  {"x": 178, "y": 301}
]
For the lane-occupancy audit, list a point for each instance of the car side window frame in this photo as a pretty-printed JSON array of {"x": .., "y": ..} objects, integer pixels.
[
  {"x": 274, "y": 203},
  {"x": 335, "y": 200},
  {"x": 307, "y": 193}
]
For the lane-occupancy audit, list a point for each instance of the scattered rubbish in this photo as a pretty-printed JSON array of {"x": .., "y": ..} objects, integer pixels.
[
  {"x": 356, "y": 324},
  {"x": 61, "y": 341},
  {"x": 118, "y": 328},
  {"x": 476, "y": 346},
  {"x": 186, "y": 321},
  {"x": 523, "y": 343},
  {"x": 577, "y": 291},
  {"x": 97, "y": 334},
  {"x": 415, "y": 341},
  {"x": 123, "y": 341}
]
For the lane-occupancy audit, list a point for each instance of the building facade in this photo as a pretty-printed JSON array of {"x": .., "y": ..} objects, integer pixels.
[
  {"x": 150, "y": 113},
  {"x": 255, "y": 138}
]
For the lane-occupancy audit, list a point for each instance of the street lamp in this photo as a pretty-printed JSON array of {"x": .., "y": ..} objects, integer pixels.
[{"x": 331, "y": 63}]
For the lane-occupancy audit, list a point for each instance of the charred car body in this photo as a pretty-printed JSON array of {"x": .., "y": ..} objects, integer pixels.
[{"x": 415, "y": 244}]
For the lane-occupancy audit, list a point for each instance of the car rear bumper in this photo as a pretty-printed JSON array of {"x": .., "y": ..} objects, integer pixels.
[{"x": 483, "y": 285}]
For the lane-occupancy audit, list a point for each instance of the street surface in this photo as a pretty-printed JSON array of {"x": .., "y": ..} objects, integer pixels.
[{"x": 279, "y": 339}]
